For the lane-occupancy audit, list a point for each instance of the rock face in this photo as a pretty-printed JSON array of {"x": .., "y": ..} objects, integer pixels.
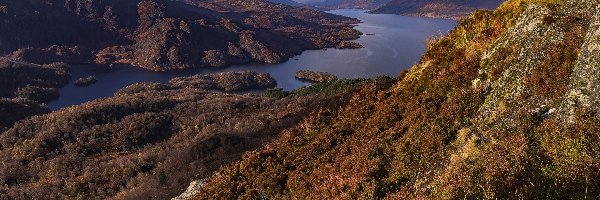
[
  {"x": 584, "y": 89},
  {"x": 315, "y": 76},
  {"x": 163, "y": 35},
  {"x": 453, "y": 9}
]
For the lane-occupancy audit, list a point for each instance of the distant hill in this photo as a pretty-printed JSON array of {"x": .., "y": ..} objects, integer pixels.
[
  {"x": 286, "y": 2},
  {"x": 437, "y": 8},
  {"x": 335, "y": 4},
  {"x": 165, "y": 35}
]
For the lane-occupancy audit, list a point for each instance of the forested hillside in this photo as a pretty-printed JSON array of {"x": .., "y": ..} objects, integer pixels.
[{"x": 149, "y": 140}]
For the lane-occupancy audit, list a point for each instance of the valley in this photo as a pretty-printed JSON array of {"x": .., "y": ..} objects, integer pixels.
[
  {"x": 396, "y": 43},
  {"x": 256, "y": 99}
]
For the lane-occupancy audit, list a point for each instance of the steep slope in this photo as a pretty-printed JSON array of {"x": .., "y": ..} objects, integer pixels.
[
  {"x": 501, "y": 108},
  {"x": 167, "y": 34},
  {"x": 436, "y": 8}
]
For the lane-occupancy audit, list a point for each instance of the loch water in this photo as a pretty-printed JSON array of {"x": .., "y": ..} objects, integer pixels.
[{"x": 392, "y": 43}]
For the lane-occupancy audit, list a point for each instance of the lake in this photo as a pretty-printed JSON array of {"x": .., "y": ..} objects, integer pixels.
[{"x": 392, "y": 43}]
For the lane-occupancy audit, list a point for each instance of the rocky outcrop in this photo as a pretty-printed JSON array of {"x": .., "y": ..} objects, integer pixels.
[
  {"x": 584, "y": 88},
  {"x": 546, "y": 38},
  {"x": 190, "y": 191}
]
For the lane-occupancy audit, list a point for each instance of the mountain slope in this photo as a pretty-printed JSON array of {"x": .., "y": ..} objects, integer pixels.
[
  {"x": 167, "y": 34},
  {"x": 436, "y": 8},
  {"x": 503, "y": 107}
]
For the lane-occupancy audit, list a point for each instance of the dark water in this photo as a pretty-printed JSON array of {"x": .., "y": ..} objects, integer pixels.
[{"x": 392, "y": 43}]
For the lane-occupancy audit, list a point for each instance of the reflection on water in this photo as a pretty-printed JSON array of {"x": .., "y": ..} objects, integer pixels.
[{"x": 392, "y": 43}]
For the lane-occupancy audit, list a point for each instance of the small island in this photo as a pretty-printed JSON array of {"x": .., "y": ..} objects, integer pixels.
[
  {"x": 312, "y": 76},
  {"x": 226, "y": 81},
  {"x": 349, "y": 45},
  {"x": 85, "y": 81}
]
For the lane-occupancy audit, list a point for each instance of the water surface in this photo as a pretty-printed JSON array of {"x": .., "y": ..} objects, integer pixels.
[{"x": 392, "y": 43}]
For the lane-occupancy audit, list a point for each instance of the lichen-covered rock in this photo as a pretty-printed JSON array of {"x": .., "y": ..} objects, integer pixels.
[
  {"x": 584, "y": 89},
  {"x": 511, "y": 85}
]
